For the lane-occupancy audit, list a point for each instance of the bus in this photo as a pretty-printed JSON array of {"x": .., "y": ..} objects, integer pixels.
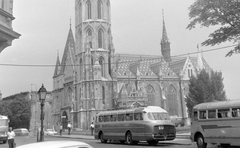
[
  {"x": 151, "y": 124},
  {"x": 3, "y": 128},
  {"x": 216, "y": 123}
]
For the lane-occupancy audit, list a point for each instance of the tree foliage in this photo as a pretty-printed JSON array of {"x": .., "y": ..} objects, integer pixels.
[
  {"x": 18, "y": 109},
  {"x": 223, "y": 13},
  {"x": 205, "y": 88}
]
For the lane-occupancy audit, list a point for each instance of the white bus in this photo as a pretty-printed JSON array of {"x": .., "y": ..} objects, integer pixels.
[
  {"x": 151, "y": 124},
  {"x": 3, "y": 128},
  {"x": 216, "y": 123}
]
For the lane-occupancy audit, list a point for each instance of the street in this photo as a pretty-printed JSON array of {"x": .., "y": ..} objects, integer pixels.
[{"x": 178, "y": 143}]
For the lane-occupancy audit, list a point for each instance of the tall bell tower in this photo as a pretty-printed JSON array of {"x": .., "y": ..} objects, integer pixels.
[{"x": 95, "y": 56}]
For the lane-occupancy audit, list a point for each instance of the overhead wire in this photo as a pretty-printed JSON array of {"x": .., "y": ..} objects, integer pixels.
[{"x": 141, "y": 59}]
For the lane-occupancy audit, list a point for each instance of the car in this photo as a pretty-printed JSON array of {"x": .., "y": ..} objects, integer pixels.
[
  {"x": 21, "y": 132},
  {"x": 49, "y": 132},
  {"x": 57, "y": 144}
]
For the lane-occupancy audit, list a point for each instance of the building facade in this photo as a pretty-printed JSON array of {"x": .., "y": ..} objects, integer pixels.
[
  {"x": 7, "y": 35},
  {"x": 91, "y": 77}
]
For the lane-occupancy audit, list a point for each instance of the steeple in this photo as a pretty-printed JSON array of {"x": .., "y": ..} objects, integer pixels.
[
  {"x": 165, "y": 43},
  {"x": 57, "y": 66}
]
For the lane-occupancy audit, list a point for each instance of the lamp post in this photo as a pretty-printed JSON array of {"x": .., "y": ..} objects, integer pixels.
[{"x": 42, "y": 96}]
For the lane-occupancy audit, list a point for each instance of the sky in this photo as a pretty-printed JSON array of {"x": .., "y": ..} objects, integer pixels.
[{"x": 136, "y": 29}]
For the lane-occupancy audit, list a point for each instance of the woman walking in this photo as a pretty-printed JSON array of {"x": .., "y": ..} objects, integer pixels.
[{"x": 11, "y": 136}]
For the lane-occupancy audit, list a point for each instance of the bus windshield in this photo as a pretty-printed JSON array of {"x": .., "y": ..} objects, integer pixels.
[{"x": 158, "y": 116}]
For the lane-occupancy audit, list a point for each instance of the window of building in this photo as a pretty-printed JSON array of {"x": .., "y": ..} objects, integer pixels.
[
  {"x": 101, "y": 62},
  {"x": 89, "y": 37},
  {"x": 100, "y": 38},
  {"x": 100, "y": 9},
  {"x": 89, "y": 9},
  {"x": 103, "y": 94}
]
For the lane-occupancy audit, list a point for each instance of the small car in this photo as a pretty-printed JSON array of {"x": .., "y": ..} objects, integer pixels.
[
  {"x": 21, "y": 132},
  {"x": 57, "y": 144},
  {"x": 49, "y": 132}
]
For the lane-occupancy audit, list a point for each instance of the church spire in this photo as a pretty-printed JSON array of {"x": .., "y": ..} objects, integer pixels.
[
  {"x": 199, "y": 59},
  {"x": 164, "y": 31},
  {"x": 165, "y": 44}
]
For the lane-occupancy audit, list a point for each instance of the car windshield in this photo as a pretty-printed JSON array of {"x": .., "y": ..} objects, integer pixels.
[{"x": 158, "y": 116}]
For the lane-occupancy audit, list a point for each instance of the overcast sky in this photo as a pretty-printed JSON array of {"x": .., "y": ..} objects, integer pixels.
[{"x": 136, "y": 29}]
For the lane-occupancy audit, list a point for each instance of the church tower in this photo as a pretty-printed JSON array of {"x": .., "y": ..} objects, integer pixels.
[
  {"x": 165, "y": 44},
  {"x": 95, "y": 56}
]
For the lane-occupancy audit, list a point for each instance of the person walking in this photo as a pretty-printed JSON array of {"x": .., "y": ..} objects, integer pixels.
[
  {"x": 92, "y": 128},
  {"x": 69, "y": 126},
  {"x": 11, "y": 136},
  {"x": 61, "y": 128}
]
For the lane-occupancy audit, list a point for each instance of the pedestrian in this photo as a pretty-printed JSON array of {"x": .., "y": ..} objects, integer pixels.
[
  {"x": 61, "y": 128},
  {"x": 11, "y": 136},
  {"x": 92, "y": 128},
  {"x": 69, "y": 126}
]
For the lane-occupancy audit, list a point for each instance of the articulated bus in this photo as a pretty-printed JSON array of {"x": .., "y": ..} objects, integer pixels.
[
  {"x": 151, "y": 124},
  {"x": 216, "y": 123},
  {"x": 3, "y": 128}
]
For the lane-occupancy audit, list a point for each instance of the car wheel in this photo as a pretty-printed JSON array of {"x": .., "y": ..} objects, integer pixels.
[{"x": 200, "y": 142}]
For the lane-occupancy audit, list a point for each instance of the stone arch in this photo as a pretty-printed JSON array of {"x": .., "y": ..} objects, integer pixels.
[
  {"x": 64, "y": 120},
  {"x": 100, "y": 9},
  {"x": 100, "y": 38},
  {"x": 150, "y": 95},
  {"x": 172, "y": 101},
  {"x": 88, "y": 9}
]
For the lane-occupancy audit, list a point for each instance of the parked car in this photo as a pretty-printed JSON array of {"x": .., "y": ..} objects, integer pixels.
[
  {"x": 49, "y": 132},
  {"x": 21, "y": 132},
  {"x": 57, "y": 144}
]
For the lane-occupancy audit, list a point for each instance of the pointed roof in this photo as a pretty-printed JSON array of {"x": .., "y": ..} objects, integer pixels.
[
  {"x": 69, "y": 49},
  {"x": 57, "y": 67},
  {"x": 164, "y": 32}
]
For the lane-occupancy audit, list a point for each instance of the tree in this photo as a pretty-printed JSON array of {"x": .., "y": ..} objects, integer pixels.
[
  {"x": 206, "y": 87},
  {"x": 224, "y": 13},
  {"x": 18, "y": 109}
]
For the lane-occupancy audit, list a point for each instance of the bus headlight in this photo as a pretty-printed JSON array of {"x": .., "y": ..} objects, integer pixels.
[{"x": 161, "y": 127}]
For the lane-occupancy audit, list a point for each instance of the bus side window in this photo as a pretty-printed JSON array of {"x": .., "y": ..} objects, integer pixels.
[
  {"x": 121, "y": 117},
  {"x": 224, "y": 113},
  {"x": 235, "y": 112},
  {"x": 195, "y": 116},
  {"x": 138, "y": 116},
  {"x": 202, "y": 115},
  {"x": 211, "y": 114}
]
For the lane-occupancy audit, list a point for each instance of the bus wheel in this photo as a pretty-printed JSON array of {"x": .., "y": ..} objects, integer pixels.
[
  {"x": 200, "y": 142},
  {"x": 129, "y": 138},
  {"x": 153, "y": 142},
  {"x": 101, "y": 138}
]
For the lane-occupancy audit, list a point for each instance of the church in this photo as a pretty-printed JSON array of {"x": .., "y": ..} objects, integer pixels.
[{"x": 91, "y": 77}]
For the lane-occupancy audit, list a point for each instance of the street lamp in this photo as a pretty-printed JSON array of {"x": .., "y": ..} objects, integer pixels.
[{"x": 42, "y": 96}]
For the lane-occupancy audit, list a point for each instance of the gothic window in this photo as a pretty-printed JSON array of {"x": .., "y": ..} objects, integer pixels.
[
  {"x": 100, "y": 38},
  {"x": 100, "y": 9},
  {"x": 69, "y": 94},
  {"x": 150, "y": 95},
  {"x": 89, "y": 9},
  {"x": 80, "y": 12},
  {"x": 172, "y": 101},
  {"x": 101, "y": 62},
  {"x": 89, "y": 37},
  {"x": 92, "y": 62},
  {"x": 103, "y": 94}
]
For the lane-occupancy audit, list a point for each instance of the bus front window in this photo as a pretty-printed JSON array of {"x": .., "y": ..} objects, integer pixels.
[{"x": 158, "y": 116}]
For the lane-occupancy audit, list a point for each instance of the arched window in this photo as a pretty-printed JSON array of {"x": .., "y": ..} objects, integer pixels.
[
  {"x": 100, "y": 38},
  {"x": 172, "y": 101},
  {"x": 100, "y": 9},
  {"x": 150, "y": 95},
  {"x": 103, "y": 94},
  {"x": 101, "y": 62},
  {"x": 89, "y": 37},
  {"x": 89, "y": 9}
]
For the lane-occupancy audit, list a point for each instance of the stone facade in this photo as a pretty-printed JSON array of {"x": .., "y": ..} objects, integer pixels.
[
  {"x": 91, "y": 77},
  {"x": 7, "y": 35}
]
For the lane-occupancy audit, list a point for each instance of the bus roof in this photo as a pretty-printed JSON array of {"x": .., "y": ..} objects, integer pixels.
[
  {"x": 3, "y": 117},
  {"x": 218, "y": 104},
  {"x": 139, "y": 109}
]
